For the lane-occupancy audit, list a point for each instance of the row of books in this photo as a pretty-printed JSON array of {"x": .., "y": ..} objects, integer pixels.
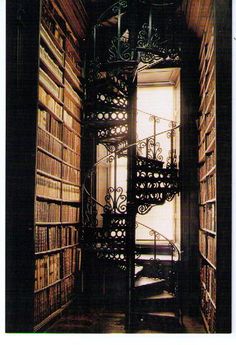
[
  {"x": 71, "y": 122},
  {"x": 53, "y": 166},
  {"x": 49, "y": 123},
  {"x": 72, "y": 93},
  {"x": 69, "y": 235},
  {"x": 71, "y": 157},
  {"x": 211, "y": 249},
  {"x": 201, "y": 151},
  {"x": 50, "y": 43},
  {"x": 71, "y": 139},
  {"x": 47, "y": 238},
  {"x": 207, "y": 216},
  {"x": 70, "y": 214},
  {"x": 50, "y": 63},
  {"x": 54, "y": 237},
  {"x": 205, "y": 120},
  {"x": 48, "y": 187},
  {"x": 70, "y": 192},
  {"x": 71, "y": 105},
  {"x": 49, "y": 143},
  {"x": 46, "y": 302},
  {"x": 47, "y": 211},
  {"x": 208, "y": 277},
  {"x": 56, "y": 90},
  {"x": 73, "y": 76},
  {"x": 207, "y": 246},
  {"x": 208, "y": 189},
  {"x": 208, "y": 310},
  {"x": 208, "y": 101},
  {"x": 69, "y": 261},
  {"x": 50, "y": 23},
  {"x": 48, "y": 164},
  {"x": 70, "y": 174},
  {"x": 210, "y": 137},
  {"x": 47, "y": 270},
  {"x": 67, "y": 289},
  {"x": 50, "y": 102}
]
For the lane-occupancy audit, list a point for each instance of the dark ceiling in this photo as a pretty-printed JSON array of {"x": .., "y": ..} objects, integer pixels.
[{"x": 96, "y": 7}]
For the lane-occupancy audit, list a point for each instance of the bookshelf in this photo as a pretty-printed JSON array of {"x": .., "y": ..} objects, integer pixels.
[
  {"x": 207, "y": 178},
  {"x": 58, "y": 183}
]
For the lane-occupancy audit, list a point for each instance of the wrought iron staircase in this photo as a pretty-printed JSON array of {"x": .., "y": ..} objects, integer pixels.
[{"x": 115, "y": 55}]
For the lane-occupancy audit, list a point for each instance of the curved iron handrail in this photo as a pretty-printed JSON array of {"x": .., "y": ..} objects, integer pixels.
[
  {"x": 157, "y": 233},
  {"x": 84, "y": 189},
  {"x": 103, "y": 15}
]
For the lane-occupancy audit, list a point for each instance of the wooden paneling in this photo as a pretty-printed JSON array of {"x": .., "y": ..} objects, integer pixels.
[{"x": 196, "y": 12}]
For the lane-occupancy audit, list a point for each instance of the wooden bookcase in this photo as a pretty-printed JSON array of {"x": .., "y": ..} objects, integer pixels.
[
  {"x": 215, "y": 179},
  {"x": 207, "y": 177},
  {"x": 45, "y": 146},
  {"x": 58, "y": 182}
]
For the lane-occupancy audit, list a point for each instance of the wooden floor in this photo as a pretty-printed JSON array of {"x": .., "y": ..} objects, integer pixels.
[{"x": 100, "y": 320}]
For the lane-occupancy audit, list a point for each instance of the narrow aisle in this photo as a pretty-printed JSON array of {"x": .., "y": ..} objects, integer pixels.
[{"x": 99, "y": 320}]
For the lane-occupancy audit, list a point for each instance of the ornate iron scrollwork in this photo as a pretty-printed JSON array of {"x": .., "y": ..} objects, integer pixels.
[
  {"x": 121, "y": 4},
  {"x": 113, "y": 132},
  {"x": 144, "y": 208},
  {"x": 120, "y": 50},
  {"x": 115, "y": 200}
]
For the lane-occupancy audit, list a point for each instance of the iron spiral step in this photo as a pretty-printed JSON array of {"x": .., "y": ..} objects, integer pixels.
[{"x": 144, "y": 286}]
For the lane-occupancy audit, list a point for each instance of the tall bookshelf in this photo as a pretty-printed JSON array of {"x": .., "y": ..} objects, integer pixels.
[
  {"x": 58, "y": 183},
  {"x": 44, "y": 228},
  {"x": 207, "y": 177}
]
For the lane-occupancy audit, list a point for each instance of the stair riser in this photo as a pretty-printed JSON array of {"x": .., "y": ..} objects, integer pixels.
[
  {"x": 156, "y": 306},
  {"x": 162, "y": 323},
  {"x": 147, "y": 290}
]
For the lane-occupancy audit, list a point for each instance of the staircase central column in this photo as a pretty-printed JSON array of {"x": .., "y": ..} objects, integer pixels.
[{"x": 131, "y": 205}]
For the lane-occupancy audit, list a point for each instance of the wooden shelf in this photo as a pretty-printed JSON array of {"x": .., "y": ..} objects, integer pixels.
[
  {"x": 72, "y": 129},
  {"x": 47, "y": 287},
  {"x": 208, "y": 294},
  {"x": 72, "y": 114},
  {"x": 76, "y": 70},
  {"x": 68, "y": 275},
  {"x": 45, "y": 107},
  {"x": 38, "y": 196},
  {"x": 49, "y": 70},
  {"x": 209, "y": 201},
  {"x": 51, "y": 316},
  {"x": 41, "y": 172},
  {"x": 52, "y": 37},
  {"x": 211, "y": 146},
  {"x": 46, "y": 88},
  {"x": 209, "y": 173},
  {"x": 205, "y": 321},
  {"x": 69, "y": 148},
  {"x": 208, "y": 261},
  {"x": 72, "y": 81},
  {"x": 49, "y": 153},
  {"x": 48, "y": 223},
  {"x": 211, "y": 232},
  {"x": 70, "y": 165},
  {"x": 48, "y": 39},
  {"x": 55, "y": 249},
  {"x": 71, "y": 183}
]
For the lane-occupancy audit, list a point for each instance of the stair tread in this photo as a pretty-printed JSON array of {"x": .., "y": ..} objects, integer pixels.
[
  {"x": 170, "y": 314},
  {"x": 163, "y": 313},
  {"x": 163, "y": 295},
  {"x": 141, "y": 281},
  {"x": 138, "y": 269},
  {"x": 159, "y": 257}
]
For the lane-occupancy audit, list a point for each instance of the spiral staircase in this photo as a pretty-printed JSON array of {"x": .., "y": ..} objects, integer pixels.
[{"x": 122, "y": 44}]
